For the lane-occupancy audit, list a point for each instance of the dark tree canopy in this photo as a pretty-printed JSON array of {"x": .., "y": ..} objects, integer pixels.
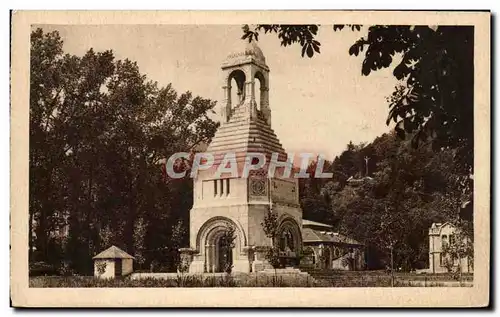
[
  {"x": 434, "y": 100},
  {"x": 405, "y": 190},
  {"x": 99, "y": 130}
]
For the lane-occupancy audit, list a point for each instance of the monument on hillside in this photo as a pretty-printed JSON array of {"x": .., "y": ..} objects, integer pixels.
[{"x": 242, "y": 202}]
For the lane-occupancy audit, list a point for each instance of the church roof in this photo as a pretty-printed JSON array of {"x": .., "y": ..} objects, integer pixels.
[
  {"x": 241, "y": 135},
  {"x": 306, "y": 223},
  {"x": 246, "y": 52},
  {"x": 113, "y": 253},
  {"x": 310, "y": 235}
]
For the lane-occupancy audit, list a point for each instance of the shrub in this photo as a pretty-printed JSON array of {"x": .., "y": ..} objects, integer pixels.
[
  {"x": 42, "y": 268},
  {"x": 101, "y": 267}
]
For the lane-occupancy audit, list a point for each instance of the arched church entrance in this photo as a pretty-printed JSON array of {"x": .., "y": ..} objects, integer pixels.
[
  {"x": 289, "y": 242},
  {"x": 219, "y": 241},
  {"x": 221, "y": 250}
]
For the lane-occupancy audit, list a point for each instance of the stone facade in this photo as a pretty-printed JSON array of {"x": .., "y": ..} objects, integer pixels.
[
  {"x": 440, "y": 235},
  {"x": 211, "y": 214}
]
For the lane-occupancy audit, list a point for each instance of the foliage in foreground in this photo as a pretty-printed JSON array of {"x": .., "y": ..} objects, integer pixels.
[
  {"x": 341, "y": 280},
  {"x": 179, "y": 281}
]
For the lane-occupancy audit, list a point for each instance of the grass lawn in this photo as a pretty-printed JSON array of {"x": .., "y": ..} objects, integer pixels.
[{"x": 334, "y": 279}]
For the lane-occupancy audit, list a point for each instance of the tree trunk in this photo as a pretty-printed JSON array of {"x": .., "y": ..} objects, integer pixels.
[
  {"x": 392, "y": 267},
  {"x": 30, "y": 241}
]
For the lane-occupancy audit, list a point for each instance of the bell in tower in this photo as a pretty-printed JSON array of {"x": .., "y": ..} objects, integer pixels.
[{"x": 242, "y": 70}]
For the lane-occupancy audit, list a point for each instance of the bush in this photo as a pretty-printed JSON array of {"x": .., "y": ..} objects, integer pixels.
[
  {"x": 181, "y": 280},
  {"x": 42, "y": 268},
  {"x": 334, "y": 279},
  {"x": 272, "y": 255}
]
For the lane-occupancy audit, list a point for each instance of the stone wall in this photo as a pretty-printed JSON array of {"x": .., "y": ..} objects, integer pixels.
[
  {"x": 127, "y": 266},
  {"x": 109, "y": 271}
]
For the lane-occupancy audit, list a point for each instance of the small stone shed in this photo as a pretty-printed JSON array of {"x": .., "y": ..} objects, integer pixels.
[{"x": 113, "y": 262}]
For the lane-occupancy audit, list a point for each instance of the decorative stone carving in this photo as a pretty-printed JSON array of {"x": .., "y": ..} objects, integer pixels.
[{"x": 258, "y": 187}]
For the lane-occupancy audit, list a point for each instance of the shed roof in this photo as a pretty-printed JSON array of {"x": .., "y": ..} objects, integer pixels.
[
  {"x": 312, "y": 235},
  {"x": 113, "y": 252},
  {"x": 306, "y": 222}
]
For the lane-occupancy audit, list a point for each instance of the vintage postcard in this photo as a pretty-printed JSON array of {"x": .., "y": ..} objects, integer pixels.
[{"x": 250, "y": 159}]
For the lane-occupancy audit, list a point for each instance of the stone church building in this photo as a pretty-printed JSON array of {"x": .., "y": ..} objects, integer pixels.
[{"x": 242, "y": 202}]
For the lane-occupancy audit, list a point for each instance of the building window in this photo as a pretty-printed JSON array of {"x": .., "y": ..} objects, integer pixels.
[
  {"x": 444, "y": 241},
  {"x": 220, "y": 189}
]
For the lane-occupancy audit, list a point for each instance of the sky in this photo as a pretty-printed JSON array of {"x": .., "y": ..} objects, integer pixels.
[{"x": 318, "y": 104}]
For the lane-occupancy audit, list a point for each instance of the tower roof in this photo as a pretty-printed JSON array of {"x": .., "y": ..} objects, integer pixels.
[
  {"x": 246, "y": 52},
  {"x": 242, "y": 136},
  {"x": 246, "y": 127},
  {"x": 113, "y": 252}
]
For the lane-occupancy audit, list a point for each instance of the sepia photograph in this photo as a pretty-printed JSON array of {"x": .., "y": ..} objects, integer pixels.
[{"x": 327, "y": 157}]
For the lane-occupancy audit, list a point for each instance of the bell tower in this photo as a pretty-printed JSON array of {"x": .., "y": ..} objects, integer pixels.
[
  {"x": 224, "y": 200},
  {"x": 241, "y": 70}
]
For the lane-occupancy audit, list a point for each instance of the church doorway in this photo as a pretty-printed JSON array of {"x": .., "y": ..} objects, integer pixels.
[
  {"x": 224, "y": 255},
  {"x": 289, "y": 243},
  {"x": 220, "y": 249}
]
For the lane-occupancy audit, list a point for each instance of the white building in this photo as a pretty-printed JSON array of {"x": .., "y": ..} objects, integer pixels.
[
  {"x": 441, "y": 234},
  {"x": 112, "y": 262}
]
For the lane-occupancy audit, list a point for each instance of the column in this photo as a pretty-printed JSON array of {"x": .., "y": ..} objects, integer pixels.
[
  {"x": 250, "y": 99},
  {"x": 211, "y": 256},
  {"x": 226, "y": 104},
  {"x": 205, "y": 264},
  {"x": 215, "y": 258},
  {"x": 264, "y": 104}
]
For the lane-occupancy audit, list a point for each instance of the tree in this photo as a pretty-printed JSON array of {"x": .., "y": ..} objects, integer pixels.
[
  {"x": 270, "y": 227},
  {"x": 434, "y": 100},
  {"x": 391, "y": 211},
  {"x": 99, "y": 132},
  {"x": 432, "y": 106},
  {"x": 458, "y": 248},
  {"x": 139, "y": 235}
]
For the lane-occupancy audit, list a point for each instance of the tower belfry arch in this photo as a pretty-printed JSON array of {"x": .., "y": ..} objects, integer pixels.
[
  {"x": 222, "y": 201},
  {"x": 245, "y": 67}
]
